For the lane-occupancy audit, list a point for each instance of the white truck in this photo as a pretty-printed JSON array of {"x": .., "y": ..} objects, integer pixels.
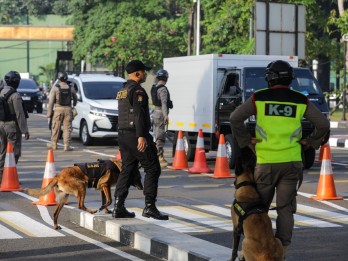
[{"x": 205, "y": 89}]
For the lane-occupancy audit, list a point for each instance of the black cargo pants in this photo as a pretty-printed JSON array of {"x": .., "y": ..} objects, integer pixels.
[{"x": 148, "y": 159}]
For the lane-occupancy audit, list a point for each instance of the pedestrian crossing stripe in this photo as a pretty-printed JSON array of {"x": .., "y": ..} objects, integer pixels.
[
  {"x": 173, "y": 223},
  {"x": 25, "y": 225},
  {"x": 323, "y": 214},
  {"x": 6, "y": 233}
]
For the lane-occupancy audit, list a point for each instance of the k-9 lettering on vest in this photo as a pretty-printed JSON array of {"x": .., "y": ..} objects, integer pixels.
[{"x": 284, "y": 110}]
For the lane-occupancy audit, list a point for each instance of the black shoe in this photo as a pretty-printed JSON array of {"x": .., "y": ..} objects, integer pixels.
[
  {"x": 122, "y": 212},
  {"x": 152, "y": 212}
]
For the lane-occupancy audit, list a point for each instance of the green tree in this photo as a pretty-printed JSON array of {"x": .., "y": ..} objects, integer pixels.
[
  {"x": 225, "y": 26},
  {"x": 48, "y": 72},
  {"x": 106, "y": 31}
]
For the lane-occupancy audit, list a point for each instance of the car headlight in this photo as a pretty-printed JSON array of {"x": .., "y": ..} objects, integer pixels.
[{"x": 102, "y": 112}]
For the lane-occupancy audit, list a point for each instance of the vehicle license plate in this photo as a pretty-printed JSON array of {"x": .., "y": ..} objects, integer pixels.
[{"x": 25, "y": 98}]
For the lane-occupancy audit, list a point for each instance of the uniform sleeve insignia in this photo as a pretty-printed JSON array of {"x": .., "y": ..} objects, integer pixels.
[{"x": 140, "y": 98}]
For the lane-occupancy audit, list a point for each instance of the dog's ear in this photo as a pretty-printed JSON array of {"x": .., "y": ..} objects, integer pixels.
[{"x": 246, "y": 160}]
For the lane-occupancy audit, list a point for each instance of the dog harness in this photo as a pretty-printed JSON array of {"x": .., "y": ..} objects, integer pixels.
[
  {"x": 244, "y": 209},
  {"x": 95, "y": 170}
]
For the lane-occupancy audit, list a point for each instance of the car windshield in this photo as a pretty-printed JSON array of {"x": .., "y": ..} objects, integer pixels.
[
  {"x": 304, "y": 81},
  {"x": 27, "y": 84},
  {"x": 101, "y": 90}
]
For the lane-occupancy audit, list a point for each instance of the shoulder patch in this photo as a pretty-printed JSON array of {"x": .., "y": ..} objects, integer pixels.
[{"x": 122, "y": 95}]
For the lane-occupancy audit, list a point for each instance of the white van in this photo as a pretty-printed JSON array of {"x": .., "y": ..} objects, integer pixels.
[{"x": 97, "y": 106}]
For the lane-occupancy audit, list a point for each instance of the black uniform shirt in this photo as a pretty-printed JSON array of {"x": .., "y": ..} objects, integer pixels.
[{"x": 139, "y": 101}]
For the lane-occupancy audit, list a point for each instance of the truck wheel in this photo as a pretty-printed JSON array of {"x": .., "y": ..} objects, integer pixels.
[
  {"x": 189, "y": 149},
  {"x": 231, "y": 149},
  {"x": 308, "y": 158},
  {"x": 84, "y": 134}
]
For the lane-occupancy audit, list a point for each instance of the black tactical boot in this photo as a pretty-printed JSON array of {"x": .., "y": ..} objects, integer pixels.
[
  {"x": 150, "y": 210},
  {"x": 120, "y": 210}
]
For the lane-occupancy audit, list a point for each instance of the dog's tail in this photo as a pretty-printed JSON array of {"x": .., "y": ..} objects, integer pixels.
[{"x": 43, "y": 191}]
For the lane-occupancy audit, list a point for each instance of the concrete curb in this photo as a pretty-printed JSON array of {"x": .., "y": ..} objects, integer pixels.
[
  {"x": 151, "y": 239},
  {"x": 338, "y": 142},
  {"x": 338, "y": 124}
]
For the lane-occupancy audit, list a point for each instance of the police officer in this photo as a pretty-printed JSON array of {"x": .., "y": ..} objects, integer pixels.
[
  {"x": 136, "y": 143},
  {"x": 60, "y": 97},
  {"x": 15, "y": 124},
  {"x": 279, "y": 111},
  {"x": 161, "y": 99}
]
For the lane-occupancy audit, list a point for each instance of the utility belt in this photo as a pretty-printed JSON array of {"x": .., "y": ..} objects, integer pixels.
[
  {"x": 158, "y": 108},
  {"x": 63, "y": 106}
]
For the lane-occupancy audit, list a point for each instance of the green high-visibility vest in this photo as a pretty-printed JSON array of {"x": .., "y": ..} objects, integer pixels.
[{"x": 279, "y": 112}]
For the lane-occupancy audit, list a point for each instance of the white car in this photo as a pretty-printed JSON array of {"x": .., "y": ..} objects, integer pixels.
[{"x": 97, "y": 107}]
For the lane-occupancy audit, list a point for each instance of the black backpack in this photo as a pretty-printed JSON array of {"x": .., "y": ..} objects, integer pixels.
[{"x": 5, "y": 113}]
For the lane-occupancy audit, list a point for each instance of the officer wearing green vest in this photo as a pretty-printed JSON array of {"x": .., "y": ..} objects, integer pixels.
[{"x": 278, "y": 141}]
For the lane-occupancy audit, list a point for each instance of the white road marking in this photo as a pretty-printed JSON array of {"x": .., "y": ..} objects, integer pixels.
[
  {"x": 322, "y": 213},
  {"x": 6, "y": 233},
  {"x": 27, "y": 225},
  {"x": 172, "y": 223},
  {"x": 199, "y": 217},
  {"x": 85, "y": 150},
  {"x": 329, "y": 203},
  {"x": 47, "y": 218}
]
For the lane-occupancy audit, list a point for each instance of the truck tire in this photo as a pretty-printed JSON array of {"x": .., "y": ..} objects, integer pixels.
[
  {"x": 84, "y": 134},
  {"x": 231, "y": 150},
  {"x": 189, "y": 148},
  {"x": 308, "y": 158}
]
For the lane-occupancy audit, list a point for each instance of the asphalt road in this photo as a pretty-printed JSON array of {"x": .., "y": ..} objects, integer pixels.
[{"x": 197, "y": 205}]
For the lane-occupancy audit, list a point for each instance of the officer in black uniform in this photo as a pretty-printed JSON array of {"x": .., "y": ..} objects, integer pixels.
[{"x": 136, "y": 143}]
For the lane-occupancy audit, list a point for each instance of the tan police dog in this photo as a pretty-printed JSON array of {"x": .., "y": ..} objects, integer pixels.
[
  {"x": 250, "y": 218},
  {"x": 74, "y": 180}
]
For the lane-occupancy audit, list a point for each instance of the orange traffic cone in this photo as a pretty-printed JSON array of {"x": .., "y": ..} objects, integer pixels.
[
  {"x": 326, "y": 186},
  {"x": 50, "y": 172},
  {"x": 180, "y": 160},
  {"x": 118, "y": 156},
  {"x": 200, "y": 162},
  {"x": 321, "y": 152},
  {"x": 10, "y": 181},
  {"x": 222, "y": 170}
]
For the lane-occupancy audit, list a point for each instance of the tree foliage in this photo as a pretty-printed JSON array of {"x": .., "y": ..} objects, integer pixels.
[
  {"x": 123, "y": 30},
  {"x": 107, "y": 31}
]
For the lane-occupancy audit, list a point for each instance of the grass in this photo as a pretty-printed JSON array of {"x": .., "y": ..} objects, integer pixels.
[{"x": 337, "y": 115}]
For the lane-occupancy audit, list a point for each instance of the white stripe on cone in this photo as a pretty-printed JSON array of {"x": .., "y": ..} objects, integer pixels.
[
  {"x": 200, "y": 142},
  {"x": 326, "y": 168},
  {"x": 10, "y": 160},
  {"x": 222, "y": 151},
  {"x": 180, "y": 144},
  {"x": 50, "y": 170}
]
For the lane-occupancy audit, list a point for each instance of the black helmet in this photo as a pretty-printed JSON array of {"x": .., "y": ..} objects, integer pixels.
[
  {"x": 279, "y": 72},
  {"x": 62, "y": 76},
  {"x": 162, "y": 74},
  {"x": 12, "y": 79}
]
